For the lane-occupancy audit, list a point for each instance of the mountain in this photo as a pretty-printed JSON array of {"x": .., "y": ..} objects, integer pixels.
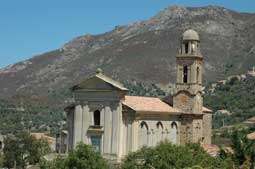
[{"x": 142, "y": 51}]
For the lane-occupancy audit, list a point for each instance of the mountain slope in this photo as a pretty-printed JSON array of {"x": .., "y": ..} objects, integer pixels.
[
  {"x": 236, "y": 96},
  {"x": 142, "y": 51}
]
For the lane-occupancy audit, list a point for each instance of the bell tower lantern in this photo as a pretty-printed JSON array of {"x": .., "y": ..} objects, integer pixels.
[{"x": 187, "y": 96}]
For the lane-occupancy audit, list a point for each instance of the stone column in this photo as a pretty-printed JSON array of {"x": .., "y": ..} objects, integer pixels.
[
  {"x": 77, "y": 124},
  {"x": 179, "y": 72},
  {"x": 193, "y": 73},
  {"x": 135, "y": 135},
  {"x": 116, "y": 117},
  {"x": 107, "y": 130},
  {"x": 86, "y": 123},
  {"x": 189, "y": 73},
  {"x": 70, "y": 125},
  {"x": 189, "y": 48}
]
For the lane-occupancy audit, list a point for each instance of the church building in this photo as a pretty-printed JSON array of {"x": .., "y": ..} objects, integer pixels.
[{"x": 104, "y": 116}]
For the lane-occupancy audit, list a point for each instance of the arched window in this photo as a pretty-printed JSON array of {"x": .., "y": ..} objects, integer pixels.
[
  {"x": 173, "y": 133},
  {"x": 144, "y": 125},
  {"x": 185, "y": 74},
  {"x": 186, "y": 48},
  {"x": 143, "y": 134},
  {"x": 159, "y": 125},
  {"x": 159, "y": 133},
  {"x": 97, "y": 118},
  {"x": 198, "y": 74},
  {"x": 193, "y": 46},
  {"x": 174, "y": 125}
]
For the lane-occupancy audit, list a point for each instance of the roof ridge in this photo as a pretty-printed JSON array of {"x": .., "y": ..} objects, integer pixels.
[{"x": 144, "y": 97}]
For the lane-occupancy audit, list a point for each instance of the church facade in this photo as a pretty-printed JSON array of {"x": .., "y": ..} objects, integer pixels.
[{"x": 115, "y": 124}]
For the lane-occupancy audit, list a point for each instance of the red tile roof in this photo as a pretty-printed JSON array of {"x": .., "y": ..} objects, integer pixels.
[
  {"x": 250, "y": 120},
  {"x": 207, "y": 110},
  {"x": 211, "y": 149},
  {"x": 251, "y": 136},
  {"x": 214, "y": 150},
  {"x": 51, "y": 140},
  {"x": 148, "y": 104}
]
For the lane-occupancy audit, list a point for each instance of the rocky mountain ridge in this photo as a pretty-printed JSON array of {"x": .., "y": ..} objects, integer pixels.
[{"x": 141, "y": 51}]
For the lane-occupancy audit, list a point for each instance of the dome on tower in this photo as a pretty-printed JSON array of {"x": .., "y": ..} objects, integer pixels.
[{"x": 190, "y": 35}]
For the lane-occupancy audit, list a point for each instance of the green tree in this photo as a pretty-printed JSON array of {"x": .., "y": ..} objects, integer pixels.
[
  {"x": 168, "y": 156},
  {"x": 1, "y": 160},
  {"x": 84, "y": 156},
  {"x": 244, "y": 149},
  {"x": 23, "y": 149}
]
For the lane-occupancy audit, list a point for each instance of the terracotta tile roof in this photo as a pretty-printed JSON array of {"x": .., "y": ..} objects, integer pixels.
[
  {"x": 148, "y": 104},
  {"x": 51, "y": 140},
  {"x": 228, "y": 150},
  {"x": 214, "y": 150},
  {"x": 251, "y": 136},
  {"x": 250, "y": 120},
  {"x": 211, "y": 149},
  {"x": 207, "y": 110}
]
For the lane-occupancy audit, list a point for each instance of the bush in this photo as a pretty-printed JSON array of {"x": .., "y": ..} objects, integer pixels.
[
  {"x": 168, "y": 156},
  {"x": 84, "y": 156},
  {"x": 23, "y": 149}
]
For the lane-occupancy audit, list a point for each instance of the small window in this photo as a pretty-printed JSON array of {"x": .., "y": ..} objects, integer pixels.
[
  {"x": 198, "y": 74},
  {"x": 185, "y": 74},
  {"x": 186, "y": 48},
  {"x": 97, "y": 118}
]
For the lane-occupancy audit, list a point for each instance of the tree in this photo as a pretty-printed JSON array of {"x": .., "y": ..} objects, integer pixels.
[
  {"x": 244, "y": 149},
  {"x": 23, "y": 149},
  {"x": 170, "y": 156},
  {"x": 1, "y": 160},
  {"x": 84, "y": 156}
]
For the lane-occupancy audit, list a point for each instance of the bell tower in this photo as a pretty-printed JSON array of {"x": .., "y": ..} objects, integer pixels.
[
  {"x": 188, "y": 91},
  {"x": 187, "y": 96}
]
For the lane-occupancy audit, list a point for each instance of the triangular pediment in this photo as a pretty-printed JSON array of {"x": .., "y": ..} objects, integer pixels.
[{"x": 99, "y": 82}]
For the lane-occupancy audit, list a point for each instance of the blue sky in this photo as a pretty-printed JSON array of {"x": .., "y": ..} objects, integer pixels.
[{"x": 31, "y": 27}]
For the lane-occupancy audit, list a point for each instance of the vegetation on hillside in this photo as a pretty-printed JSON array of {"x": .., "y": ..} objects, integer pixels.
[
  {"x": 23, "y": 149},
  {"x": 37, "y": 114},
  {"x": 141, "y": 89},
  {"x": 236, "y": 96}
]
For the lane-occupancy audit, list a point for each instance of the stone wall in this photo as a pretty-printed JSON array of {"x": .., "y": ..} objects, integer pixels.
[
  {"x": 207, "y": 126},
  {"x": 191, "y": 128},
  {"x": 188, "y": 103}
]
